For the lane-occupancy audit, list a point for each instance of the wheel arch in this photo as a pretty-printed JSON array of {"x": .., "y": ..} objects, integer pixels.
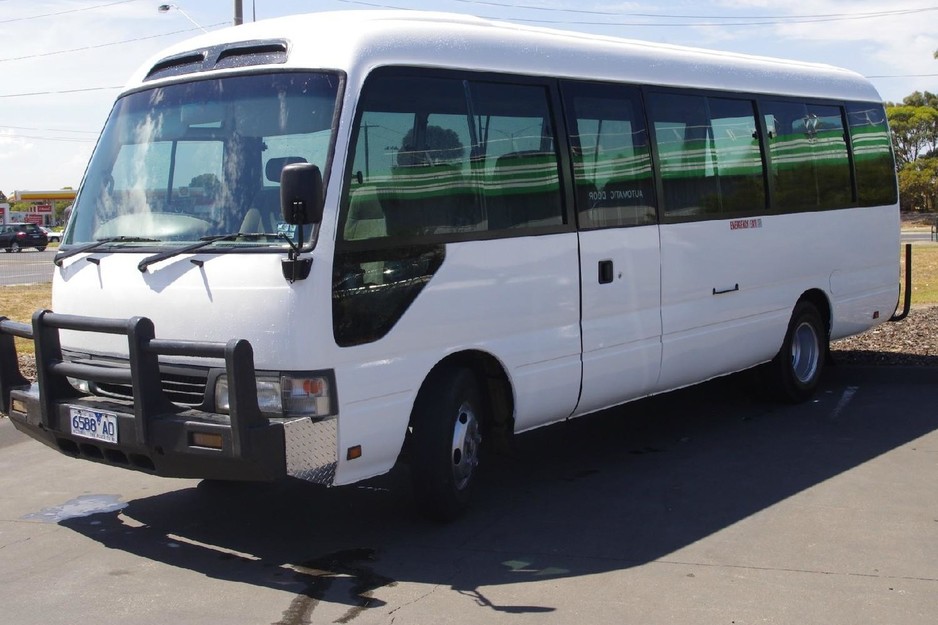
[
  {"x": 822, "y": 303},
  {"x": 494, "y": 383}
]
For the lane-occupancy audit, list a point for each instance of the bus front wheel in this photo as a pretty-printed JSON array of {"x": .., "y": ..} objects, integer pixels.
[
  {"x": 446, "y": 440},
  {"x": 798, "y": 365}
]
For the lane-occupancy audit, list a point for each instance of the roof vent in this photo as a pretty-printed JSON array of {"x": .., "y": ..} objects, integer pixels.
[
  {"x": 175, "y": 65},
  {"x": 241, "y": 54},
  {"x": 252, "y": 53}
]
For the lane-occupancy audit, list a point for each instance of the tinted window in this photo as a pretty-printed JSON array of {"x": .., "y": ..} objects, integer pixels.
[
  {"x": 448, "y": 157},
  {"x": 709, "y": 156},
  {"x": 810, "y": 165},
  {"x": 738, "y": 156},
  {"x": 872, "y": 154},
  {"x": 611, "y": 161}
]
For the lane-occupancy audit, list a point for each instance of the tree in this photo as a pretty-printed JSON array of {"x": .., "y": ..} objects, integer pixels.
[
  {"x": 914, "y": 128},
  {"x": 921, "y": 99},
  {"x": 918, "y": 184}
]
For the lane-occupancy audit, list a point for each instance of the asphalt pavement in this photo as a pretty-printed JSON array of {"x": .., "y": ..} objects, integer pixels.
[
  {"x": 707, "y": 505},
  {"x": 26, "y": 267}
]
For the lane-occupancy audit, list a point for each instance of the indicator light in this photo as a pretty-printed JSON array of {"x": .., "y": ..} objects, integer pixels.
[{"x": 204, "y": 439}]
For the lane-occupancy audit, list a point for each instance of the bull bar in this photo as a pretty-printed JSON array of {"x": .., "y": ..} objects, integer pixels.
[{"x": 155, "y": 435}]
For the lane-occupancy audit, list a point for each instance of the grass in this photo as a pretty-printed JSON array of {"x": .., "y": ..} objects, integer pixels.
[
  {"x": 19, "y": 302},
  {"x": 924, "y": 274}
]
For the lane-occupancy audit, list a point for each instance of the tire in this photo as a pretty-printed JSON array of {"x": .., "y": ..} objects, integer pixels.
[
  {"x": 798, "y": 366},
  {"x": 41, "y": 248},
  {"x": 15, "y": 247},
  {"x": 446, "y": 441}
]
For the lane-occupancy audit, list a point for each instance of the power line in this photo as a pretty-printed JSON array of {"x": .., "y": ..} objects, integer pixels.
[
  {"x": 59, "y": 139},
  {"x": 905, "y": 76},
  {"x": 79, "y": 10},
  {"x": 91, "y": 132},
  {"x": 701, "y": 17},
  {"x": 105, "y": 45},
  {"x": 63, "y": 91},
  {"x": 718, "y": 20}
]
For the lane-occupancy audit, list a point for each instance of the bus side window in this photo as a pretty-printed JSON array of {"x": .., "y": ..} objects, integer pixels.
[
  {"x": 872, "y": 154},
  {"x": 412, "y": 153},
  {"x": 709, "y": 156},
  {"x": 611, "y": 160},
  {"x": 738, "y": 156},
  {"x": 810, "y": 167},
  {"x": 522, "y": 178},
  {"x": 686, "y": 156}
]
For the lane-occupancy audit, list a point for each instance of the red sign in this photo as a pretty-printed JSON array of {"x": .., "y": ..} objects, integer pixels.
[
  {"x": 42, "y": 208},
  {"x": 34, "y": 219}
]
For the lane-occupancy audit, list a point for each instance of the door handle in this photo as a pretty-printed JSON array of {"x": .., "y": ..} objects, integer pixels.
[
  {"x": 733, "y": 289},
  {"x": 605, "y": 272}
]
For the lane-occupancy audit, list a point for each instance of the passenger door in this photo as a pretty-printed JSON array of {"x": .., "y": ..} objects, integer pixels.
[{"x": 619, "y": 249}]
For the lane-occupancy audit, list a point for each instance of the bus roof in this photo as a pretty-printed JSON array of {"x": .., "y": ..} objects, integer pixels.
[{"x": 358, "y": 41}]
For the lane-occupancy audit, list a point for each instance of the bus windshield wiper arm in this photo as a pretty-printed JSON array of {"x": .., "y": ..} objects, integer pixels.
[
  {"x": 60, "y": 256},
  {"x": 203, "y": 242}
]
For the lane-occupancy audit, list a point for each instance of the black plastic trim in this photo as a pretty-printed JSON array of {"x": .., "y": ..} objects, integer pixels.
[{"x": 154, "y": 433}]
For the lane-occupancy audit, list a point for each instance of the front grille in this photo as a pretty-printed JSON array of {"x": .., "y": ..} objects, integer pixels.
[
  {"x": 183, "y": 384},
  {"x": 188, "y": 390}
]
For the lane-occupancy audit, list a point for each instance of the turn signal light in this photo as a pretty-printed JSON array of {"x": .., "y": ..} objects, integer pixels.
[{"x": 204, "y": 439}]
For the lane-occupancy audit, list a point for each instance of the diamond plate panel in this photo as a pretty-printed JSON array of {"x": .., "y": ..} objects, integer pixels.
[{"x": 311, "y": 449}]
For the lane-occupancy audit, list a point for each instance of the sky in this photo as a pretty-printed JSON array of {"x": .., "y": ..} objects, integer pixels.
[{"x": 63, "y": 62}]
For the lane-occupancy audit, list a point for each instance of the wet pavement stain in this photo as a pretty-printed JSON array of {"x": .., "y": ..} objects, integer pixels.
[
  {"x": 320, "y": 574},
  {"x": 82, "y": 506}
]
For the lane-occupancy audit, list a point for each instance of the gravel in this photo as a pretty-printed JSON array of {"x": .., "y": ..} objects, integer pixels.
[{"x": 912, "y": 342}]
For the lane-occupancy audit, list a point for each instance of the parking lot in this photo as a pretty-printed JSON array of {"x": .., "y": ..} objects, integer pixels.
[{"x": 703, "y": 506}]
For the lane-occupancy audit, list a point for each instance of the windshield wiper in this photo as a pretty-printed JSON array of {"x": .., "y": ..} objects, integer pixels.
[
  {"x": 60, "y": 256},
  {"x": 203, "y": 242}
]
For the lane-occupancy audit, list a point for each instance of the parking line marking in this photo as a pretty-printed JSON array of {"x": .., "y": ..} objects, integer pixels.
[{"x": 849, "y": 392}]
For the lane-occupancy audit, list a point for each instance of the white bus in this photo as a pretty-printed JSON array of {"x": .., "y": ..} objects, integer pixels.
[{"x": 316, "y": 245}]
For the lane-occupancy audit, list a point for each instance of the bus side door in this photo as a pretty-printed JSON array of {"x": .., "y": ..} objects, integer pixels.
[{"x": 619, "y": 250}]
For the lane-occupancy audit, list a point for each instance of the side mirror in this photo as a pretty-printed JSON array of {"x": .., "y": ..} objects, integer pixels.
[{"x": 301, "y": 194}]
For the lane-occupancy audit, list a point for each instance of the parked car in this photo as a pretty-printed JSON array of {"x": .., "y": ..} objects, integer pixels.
[
  {"x": 52, "y": 235},
  {"x": 14, "y": 237}
]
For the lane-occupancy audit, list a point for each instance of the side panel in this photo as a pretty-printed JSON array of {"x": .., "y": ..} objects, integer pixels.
[
  {"x": 728, "y": 287},
  {"x": 621, "y": 315},
  {"x": 727, "y": 292},
  {"x": 517, "y": 299}
]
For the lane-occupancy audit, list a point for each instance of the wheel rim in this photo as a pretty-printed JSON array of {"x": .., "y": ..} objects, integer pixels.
[
  {"x": 466, "y": 439},
  {"x": 805, "y": 352}
]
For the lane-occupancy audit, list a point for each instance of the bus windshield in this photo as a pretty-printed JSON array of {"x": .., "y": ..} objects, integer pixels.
[{"x": 201, "y": 161}]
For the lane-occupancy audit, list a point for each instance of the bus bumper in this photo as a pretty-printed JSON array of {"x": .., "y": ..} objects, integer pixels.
[{"x": 150, "y": 433}]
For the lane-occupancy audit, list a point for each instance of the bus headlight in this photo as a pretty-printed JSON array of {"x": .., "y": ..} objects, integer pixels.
[{"x": 289, "y": 395}]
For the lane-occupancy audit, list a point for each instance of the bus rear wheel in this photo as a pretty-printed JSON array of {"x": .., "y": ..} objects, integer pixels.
[
  {"x": 446, "y": 441},
  {"x": 797, "y": 367}
]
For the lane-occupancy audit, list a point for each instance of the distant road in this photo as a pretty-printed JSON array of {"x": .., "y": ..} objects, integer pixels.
[
  {"x": 908, "y": 236},
  {"x": 26, "y": 267}
]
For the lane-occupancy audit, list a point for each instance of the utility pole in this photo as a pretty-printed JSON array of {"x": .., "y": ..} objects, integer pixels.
[{"x": 238, "y": 13}]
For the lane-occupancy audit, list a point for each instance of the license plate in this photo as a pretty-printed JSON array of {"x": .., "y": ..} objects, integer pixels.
[{"x": 100, "y": 426}]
